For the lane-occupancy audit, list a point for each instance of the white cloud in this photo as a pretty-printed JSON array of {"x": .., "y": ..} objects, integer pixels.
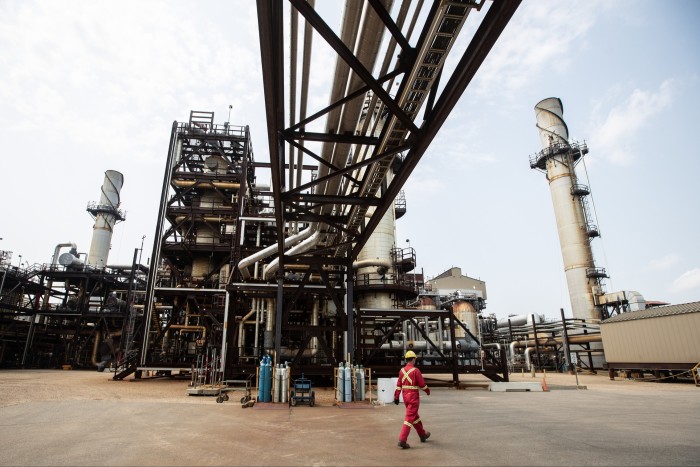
[
  {"x": 613, "y": 137},
  {"x": 540, "y": 36},
  {"x": 59, "y": 65},
  {"x": 664, "y": 262},
  {"x": 687, "y": 281}
]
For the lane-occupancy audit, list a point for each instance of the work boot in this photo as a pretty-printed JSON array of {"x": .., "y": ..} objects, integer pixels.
[
  {"x": 403, "y": 445},
  {"x": 425, "y": 437}
]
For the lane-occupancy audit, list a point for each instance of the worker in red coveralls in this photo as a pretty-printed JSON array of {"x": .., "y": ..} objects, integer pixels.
[{"x": 410, "y": 381}]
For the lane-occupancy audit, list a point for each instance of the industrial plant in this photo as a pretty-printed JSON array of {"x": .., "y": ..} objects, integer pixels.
[{"x": 305, "y": 275}]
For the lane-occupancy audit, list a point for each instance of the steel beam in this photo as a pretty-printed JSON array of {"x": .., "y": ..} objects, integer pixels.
[{"x": 485, "y": 37}]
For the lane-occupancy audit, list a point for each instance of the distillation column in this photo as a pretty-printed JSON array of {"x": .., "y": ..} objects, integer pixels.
[
  {"x": 557, "y": 159},
  {"x": 106, "y": 214}
]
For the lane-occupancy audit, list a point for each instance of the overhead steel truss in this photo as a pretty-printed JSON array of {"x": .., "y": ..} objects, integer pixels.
[{"x": 363, "y": 190}]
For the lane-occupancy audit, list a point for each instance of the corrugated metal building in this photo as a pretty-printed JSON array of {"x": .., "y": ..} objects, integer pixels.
[{"x": 662, "y": 338}]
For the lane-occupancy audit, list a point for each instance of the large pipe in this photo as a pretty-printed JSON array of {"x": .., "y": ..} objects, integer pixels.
[
  {"x": 241, "y": 334},
  {"x": 54, "y": 261},
  {"x": 384, "y": 263},
  {"x": 302, "y": 247},
  {"x": 190, "y": 183},
  {"x": 339, "y": 120},
  {"x": 573, "y": 339},
  {"x": 106, "y": 215},
  {"x": 271, "y": 250},
  {"x": 421, "y": 345}
]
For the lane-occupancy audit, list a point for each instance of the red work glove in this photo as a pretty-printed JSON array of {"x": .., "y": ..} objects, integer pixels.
[{"x": 427, "y": 391}]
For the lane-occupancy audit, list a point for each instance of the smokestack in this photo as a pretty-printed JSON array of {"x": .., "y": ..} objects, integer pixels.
[
  {"x": 106, "y": 214},
  {"x": 557, "y": 159}
]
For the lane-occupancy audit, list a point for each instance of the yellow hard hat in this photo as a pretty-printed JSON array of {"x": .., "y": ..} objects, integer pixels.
[{"x": 410, "y": 354}]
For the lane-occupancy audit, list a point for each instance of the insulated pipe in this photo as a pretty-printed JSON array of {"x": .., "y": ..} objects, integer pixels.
[
  {"x": 462, "y": 345},
  {"x": 189, "y": 183},
  {"x": 271, "y": 250},
  {"x": 366, "y": 50},
  {"x": 241, "y": 337},
  {"x": 302, "y": 247},
  {"x": 345, "y": 118},
  {"x": 95, "y": 348},
  {"x": 306, "y": 67},
  {"x": 258, "y": 219},
  {"x": 372, "y": 108},
  {"x": 190, "y": 328},
  {"x": 367, "y": 55},
  {"x": 294, "y": 20},
  {"x": 269, "y": 335},
  {"x": 528, "y": 361},
  {"x": 409, "y": 94},
  {"x": 372, "y": 262},
  {"x": 348, "y": 35},
  {"x": 349, "y": 30},
  {"x": 54, "y": 260},
  {"x": 258, "y": 307},
  {"x": 573, "y": 339}
]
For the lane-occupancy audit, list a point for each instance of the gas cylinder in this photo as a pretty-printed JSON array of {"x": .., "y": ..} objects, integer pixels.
[
  {"x": 261, "y": 381},
  {"x": 340, "y": 392},
  {"x": 285, "y": 383},
  {"x": 348, "y": 383},
  {"x": 360, "y": 383},
  {"x": 278, "y": 384}
]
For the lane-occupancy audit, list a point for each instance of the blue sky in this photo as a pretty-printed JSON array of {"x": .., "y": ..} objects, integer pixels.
[{"x": 91, "y": 86}]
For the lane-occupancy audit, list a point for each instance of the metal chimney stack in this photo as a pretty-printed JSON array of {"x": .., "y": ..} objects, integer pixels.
[
  {"x": 557, "y": 159},
  {"x": 106, "y": 214}
]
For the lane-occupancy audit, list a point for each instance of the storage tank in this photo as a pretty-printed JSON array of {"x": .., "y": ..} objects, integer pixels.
[{"x": 466, "y": 313}]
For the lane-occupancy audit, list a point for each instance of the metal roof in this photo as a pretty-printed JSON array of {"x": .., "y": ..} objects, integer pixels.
[{"x": 656, "y": 312}]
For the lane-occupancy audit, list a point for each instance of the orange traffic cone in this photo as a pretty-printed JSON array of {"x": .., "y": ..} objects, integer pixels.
[{"x": 545, "y": 388}]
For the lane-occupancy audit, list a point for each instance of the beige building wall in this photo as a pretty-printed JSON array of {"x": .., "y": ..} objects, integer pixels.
[
  {"x": 452, "y": 280},
  {"x": 665, "y": 339}
]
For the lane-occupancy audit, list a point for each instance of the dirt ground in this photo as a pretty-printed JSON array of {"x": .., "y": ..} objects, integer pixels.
[
  {"x": 55, "y": 417},
  {"x": 20, "y": 386}
]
